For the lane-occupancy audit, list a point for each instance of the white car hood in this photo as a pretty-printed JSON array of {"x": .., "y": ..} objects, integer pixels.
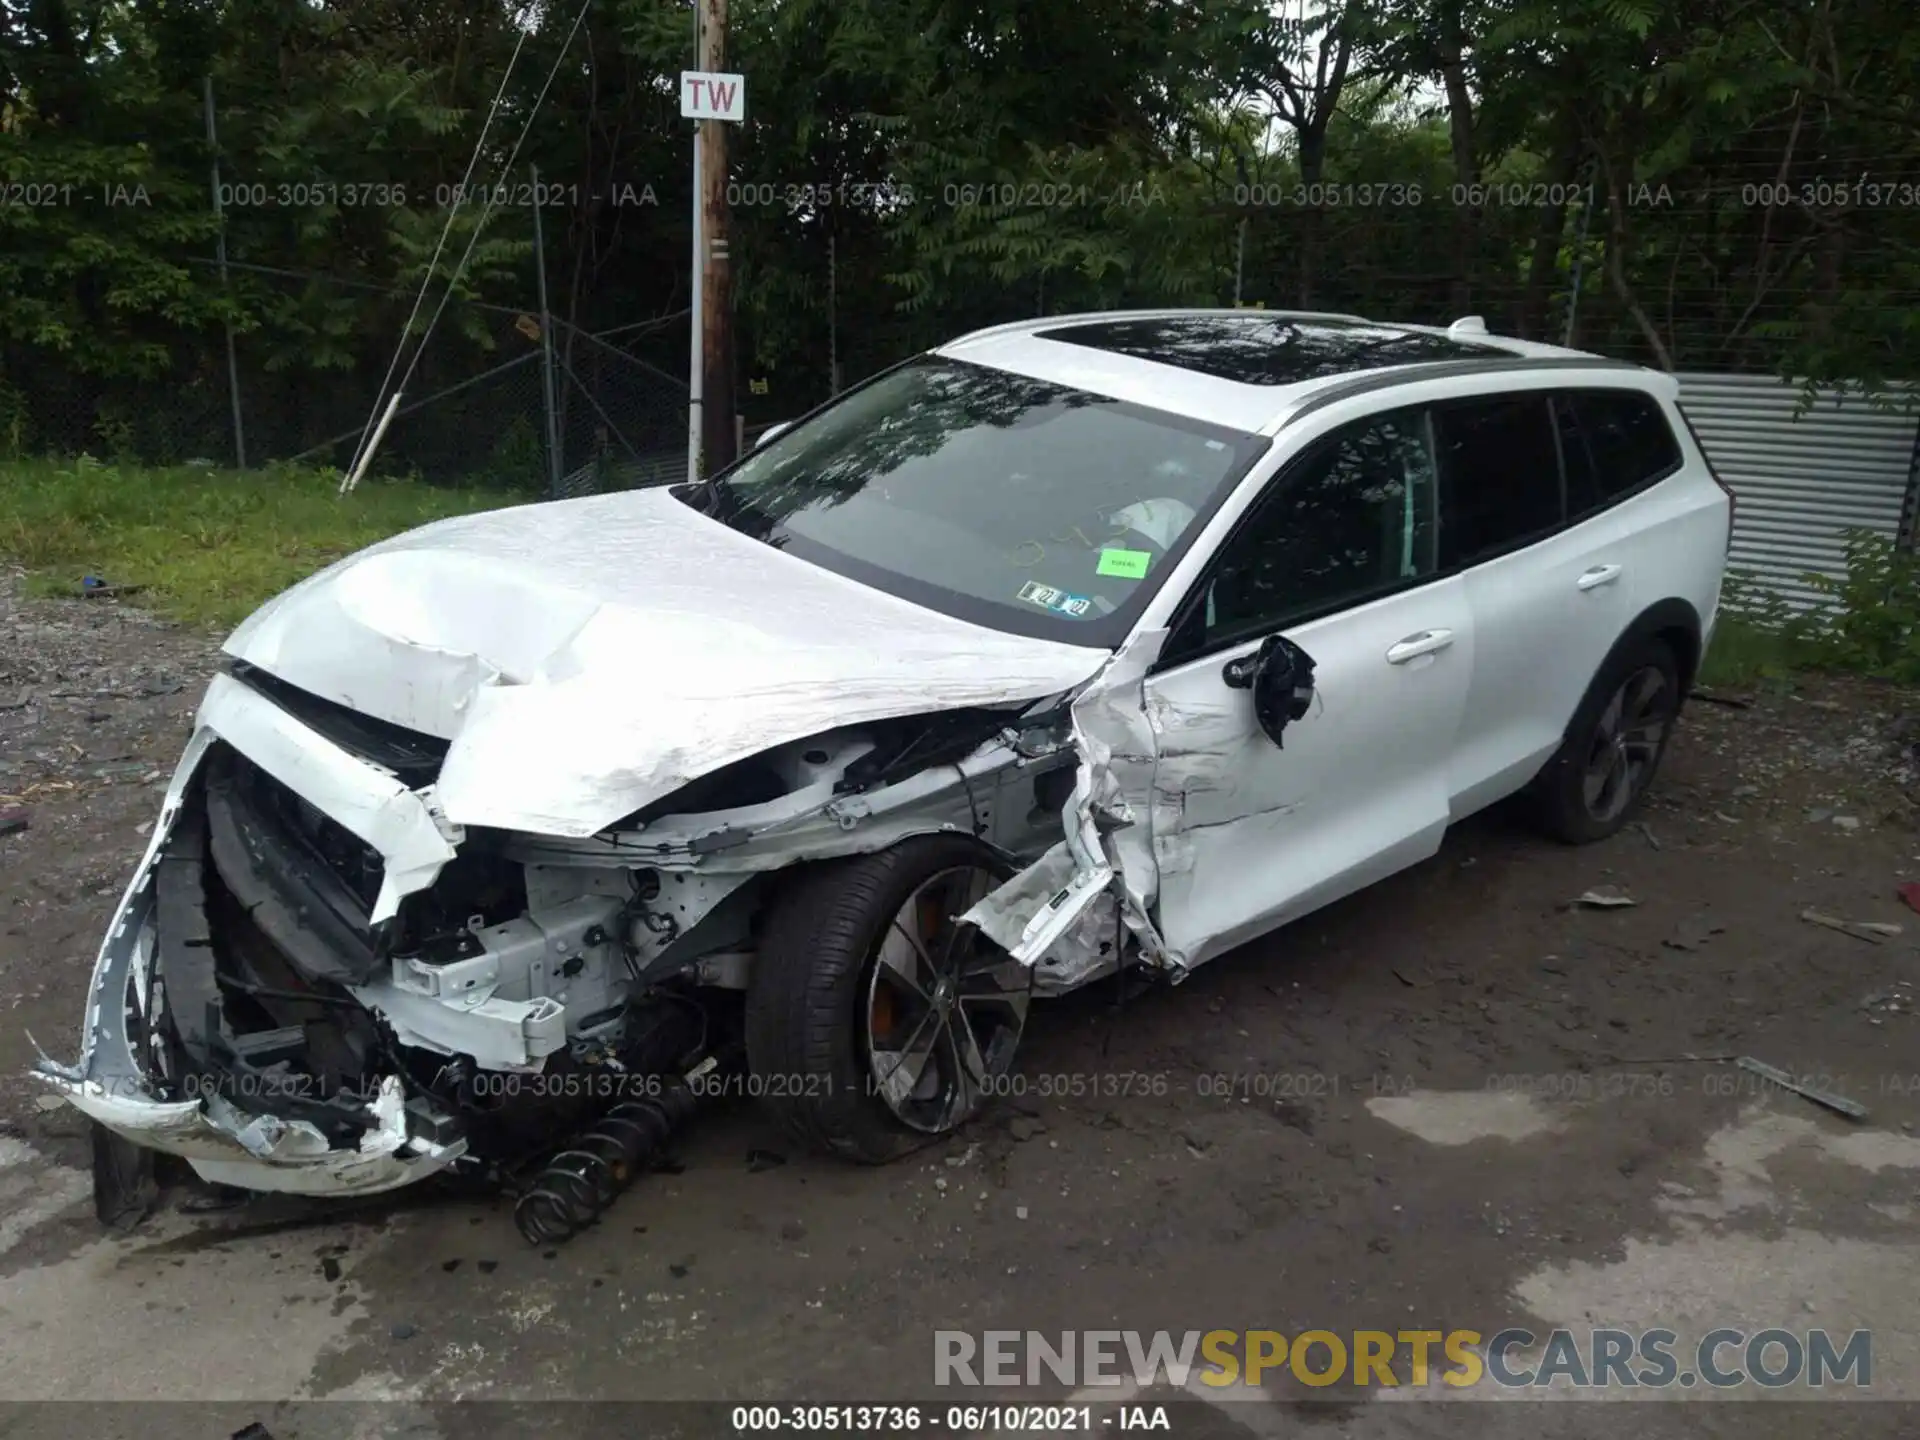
[{"x": 587, "y": 657}]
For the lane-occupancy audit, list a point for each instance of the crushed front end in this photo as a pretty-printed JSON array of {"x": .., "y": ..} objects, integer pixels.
[
  {"x": 315, "y": 983},
  {"x": 319, "y": 983}
]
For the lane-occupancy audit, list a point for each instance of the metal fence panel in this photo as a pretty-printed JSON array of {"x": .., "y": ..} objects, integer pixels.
[{"x": 1803, "y": 478}]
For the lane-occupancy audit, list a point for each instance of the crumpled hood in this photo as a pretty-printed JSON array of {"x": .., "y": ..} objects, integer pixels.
[{"x": 586, "y": 657}]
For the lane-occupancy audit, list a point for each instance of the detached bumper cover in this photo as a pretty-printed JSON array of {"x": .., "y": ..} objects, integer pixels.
[
  {"x": 263, "y": 1152},
  {"x": 115, "y": 1082}
]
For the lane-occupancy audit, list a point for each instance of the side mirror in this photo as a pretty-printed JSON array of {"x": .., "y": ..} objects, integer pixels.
[
  {"x": 1280, "y": 674},
  {"x": 779, "y": 427}
]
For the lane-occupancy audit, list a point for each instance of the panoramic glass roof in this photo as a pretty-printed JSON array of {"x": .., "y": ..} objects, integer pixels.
[{"x": 1264, "y": 349}]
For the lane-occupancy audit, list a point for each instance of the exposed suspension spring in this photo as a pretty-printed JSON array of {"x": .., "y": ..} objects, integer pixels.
[{"x": 575, "y": 1187}]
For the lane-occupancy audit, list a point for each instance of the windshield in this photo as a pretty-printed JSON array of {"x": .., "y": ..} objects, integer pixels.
[{"x": 1010, "y": 502}]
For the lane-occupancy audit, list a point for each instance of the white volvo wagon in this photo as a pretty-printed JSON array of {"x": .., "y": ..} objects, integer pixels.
[{"x": 1085, "y": 642}]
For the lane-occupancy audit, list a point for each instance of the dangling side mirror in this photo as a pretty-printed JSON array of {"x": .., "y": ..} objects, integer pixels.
[{"x": 1280, "y": 674}]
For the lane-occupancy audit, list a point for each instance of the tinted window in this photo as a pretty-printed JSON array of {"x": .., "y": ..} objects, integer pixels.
[
  {"x": 1499, "y": 475},
  {"x": 1005, "y": 500},
  {"x": 1616, "y": 441},
  {"x": 1264, "y": 350},
  {"x": 1352, "y": 518}
]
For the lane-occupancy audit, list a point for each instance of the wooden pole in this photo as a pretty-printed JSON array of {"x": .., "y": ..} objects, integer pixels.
[{"x": 718, "y": 432}]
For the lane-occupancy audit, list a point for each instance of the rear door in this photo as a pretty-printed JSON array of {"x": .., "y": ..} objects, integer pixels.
[
  {"x": 1339, "y": 555},
  {"x": 1548, "y": 600}
]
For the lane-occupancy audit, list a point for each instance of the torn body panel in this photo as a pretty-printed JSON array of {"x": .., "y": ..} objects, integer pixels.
[
  {"x": 1059, "y": 914},
  {"x": 413, "y": 838}
]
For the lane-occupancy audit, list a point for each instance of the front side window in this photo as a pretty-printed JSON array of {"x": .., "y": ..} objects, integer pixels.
[
  {"x": 1499, "y": 475},
  {"x": 1351, "y": 519},
  {"x": 1008, "y": 501}
]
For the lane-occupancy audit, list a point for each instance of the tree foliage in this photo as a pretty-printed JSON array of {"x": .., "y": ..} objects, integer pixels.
[{"x": 1729, "y": 184}]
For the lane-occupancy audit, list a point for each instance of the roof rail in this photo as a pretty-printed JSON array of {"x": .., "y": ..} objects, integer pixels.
[{"x": 1389, "y": 376}]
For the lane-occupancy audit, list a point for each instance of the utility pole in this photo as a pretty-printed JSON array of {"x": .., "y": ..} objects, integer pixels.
[
  {"x": 718, "y": 439},
  {"x": 695, "y": 370}
]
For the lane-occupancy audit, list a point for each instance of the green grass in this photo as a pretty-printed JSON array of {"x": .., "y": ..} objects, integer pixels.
[
  {"x": 1747, "y": 652},
  {"x": 208, "y": 546}
]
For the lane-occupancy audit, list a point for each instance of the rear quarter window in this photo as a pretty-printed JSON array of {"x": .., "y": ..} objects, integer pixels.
[{"x": 1615, "y": 442}]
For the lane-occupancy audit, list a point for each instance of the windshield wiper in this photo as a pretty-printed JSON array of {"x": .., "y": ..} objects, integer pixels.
[{"x": 703, "y": 495}]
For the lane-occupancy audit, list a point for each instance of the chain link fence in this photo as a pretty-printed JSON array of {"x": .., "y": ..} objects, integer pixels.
[{"x": 475, "y": 411}]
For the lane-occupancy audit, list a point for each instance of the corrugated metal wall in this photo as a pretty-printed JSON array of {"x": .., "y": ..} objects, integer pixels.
[{"x": 1802, "y": 479}]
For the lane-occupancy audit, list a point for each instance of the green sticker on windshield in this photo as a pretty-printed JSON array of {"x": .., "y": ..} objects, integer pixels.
[{"x": 1127, "y": 564}]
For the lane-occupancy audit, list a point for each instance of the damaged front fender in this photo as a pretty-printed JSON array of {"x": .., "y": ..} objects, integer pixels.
[{"x": 1062, "y": 914}]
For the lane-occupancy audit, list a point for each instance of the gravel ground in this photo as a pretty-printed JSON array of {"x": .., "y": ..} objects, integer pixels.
[{"x": 1451, "y": 1101}]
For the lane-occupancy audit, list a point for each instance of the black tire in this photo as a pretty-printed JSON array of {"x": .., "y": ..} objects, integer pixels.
[
  {"x": 1565, "y": 791},
  {"x": 810, "y": 1002}
]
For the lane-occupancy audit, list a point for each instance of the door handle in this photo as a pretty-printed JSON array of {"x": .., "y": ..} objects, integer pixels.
[
  {"x": 1599, "y": 575},
  {"x": 1424, "y": 643}
]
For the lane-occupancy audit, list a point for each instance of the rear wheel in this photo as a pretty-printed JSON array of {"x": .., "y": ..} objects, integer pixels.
[
  {"x": 1599, "y": 778},
  {"x": 876, "y": 1021}
]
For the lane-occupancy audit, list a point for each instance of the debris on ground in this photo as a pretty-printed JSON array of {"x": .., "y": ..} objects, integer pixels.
[
  {"x": 1839, "y": 1104},
  {"x": 1896, "y": 1001},
  {"x": 1647, "y": 830},
  {"x": 1732, "y": 702},
  {"x": 92, "y": 586},
  {"x": 1872, "y": 932},
  {"x": 1693, "y": 932},
  {"x": 758, "y": 1160},
  {"x": 13, "y": 821},
  {"x": 1602, "y": 897},
  {"x": 1909, "y": 894}
]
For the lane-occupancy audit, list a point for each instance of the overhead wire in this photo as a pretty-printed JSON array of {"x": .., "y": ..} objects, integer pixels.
[{"x": 363, "y": 455}]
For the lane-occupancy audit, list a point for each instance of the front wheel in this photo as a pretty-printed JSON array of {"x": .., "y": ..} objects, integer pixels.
[
  {"x": 876, "y": 1021},
  {"x": 1600, "y": 776}
]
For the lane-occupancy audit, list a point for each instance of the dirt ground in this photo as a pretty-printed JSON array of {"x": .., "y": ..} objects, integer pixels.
[{"x": 1452, "y": 1101}]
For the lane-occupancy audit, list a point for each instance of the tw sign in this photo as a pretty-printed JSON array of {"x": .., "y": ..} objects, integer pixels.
[{"x": 710, "y": 95}]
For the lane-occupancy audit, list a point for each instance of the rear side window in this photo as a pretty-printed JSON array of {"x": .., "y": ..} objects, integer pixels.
[
  {"x": 1616, "y": 442},
  {"x": 1499, "y": 475}
]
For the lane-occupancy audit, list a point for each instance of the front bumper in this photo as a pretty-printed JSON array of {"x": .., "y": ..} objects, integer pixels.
[{"x": 119, "y": 1080}]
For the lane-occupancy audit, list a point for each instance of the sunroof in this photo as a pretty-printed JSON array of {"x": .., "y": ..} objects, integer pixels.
[{"x": 1264, "y": 350}]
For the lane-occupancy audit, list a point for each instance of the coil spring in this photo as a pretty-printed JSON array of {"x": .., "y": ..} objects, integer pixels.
[{"x": 575, "y": 1187}]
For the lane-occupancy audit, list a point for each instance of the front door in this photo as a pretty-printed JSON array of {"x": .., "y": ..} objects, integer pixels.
[{"x": 1340, "y": 556}]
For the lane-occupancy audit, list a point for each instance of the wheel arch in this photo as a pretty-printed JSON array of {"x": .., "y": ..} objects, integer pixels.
[{"x": 1674, "y": 622}]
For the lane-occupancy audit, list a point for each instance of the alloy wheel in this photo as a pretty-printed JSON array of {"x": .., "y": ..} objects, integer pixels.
[
  {"x": 1626, "y": 743},
  {"x": 945, "y": 1007}
]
